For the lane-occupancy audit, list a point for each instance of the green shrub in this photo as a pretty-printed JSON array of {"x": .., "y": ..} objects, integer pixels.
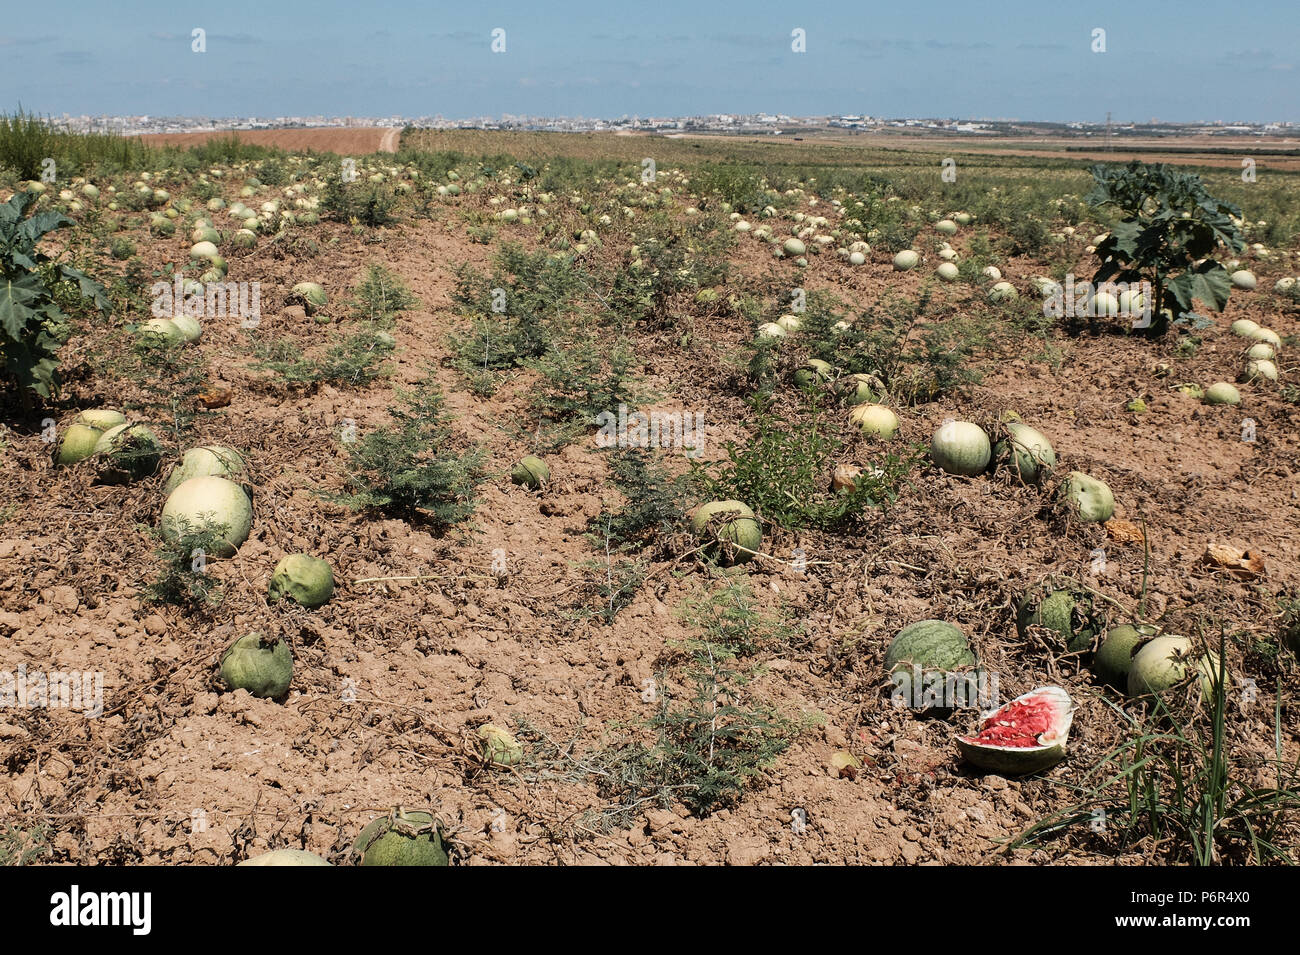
[
  {"x": 412, "y": 468},
  {"x": 35, "y": 290},
  {"x": 783, "y": 472},
  {"x": 654, "y": 501},
  {"x": 367, "y": 204},
  {"x": 381, "y": 296}
]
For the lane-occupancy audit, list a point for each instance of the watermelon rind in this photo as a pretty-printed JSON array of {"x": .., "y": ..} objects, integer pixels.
[{"x": 1020, "y": 760}]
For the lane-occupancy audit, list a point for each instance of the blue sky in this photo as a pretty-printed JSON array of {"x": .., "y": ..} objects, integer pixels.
[{"x": 1171, "y": 60}]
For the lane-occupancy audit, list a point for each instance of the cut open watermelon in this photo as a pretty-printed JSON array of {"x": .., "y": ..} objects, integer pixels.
[{"x": 1027, "y": 735}]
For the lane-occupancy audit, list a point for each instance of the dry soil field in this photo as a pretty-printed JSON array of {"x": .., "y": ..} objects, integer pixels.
[{"x": 661, "y": 709}]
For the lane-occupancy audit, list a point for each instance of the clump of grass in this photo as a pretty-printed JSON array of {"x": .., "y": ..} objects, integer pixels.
[
  {"x": 515, "y": 311},
  {"x": 918, "y": 357},
  {"x": 675, "y": 257},
  {"x": 380, "y": 297},
  {"x": 272, "y": 172},
  {"x": 652, "y": 513},
  {"x": 19, "y": 846},
  {"x": 1177, "y": 787},
  {"x": 712, "y": 740},
  {"x": 783, "y": 473},
  {"x": 583, "y": 376},
  {"x": 27, "y": 140},
  {"x": 612, "y": 584},
  {"x": 1025, "y": 235},
  {"x": 365, "y": 204},
  {"x": 353, "y": 360},
  {"x": 655, "y": 501}
]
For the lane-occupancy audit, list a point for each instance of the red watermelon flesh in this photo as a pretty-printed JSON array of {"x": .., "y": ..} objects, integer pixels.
[{"x": 1031, "y": 720}]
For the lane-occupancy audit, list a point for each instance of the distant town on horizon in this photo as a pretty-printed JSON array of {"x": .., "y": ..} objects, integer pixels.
[{"x": 774, "y": 124}]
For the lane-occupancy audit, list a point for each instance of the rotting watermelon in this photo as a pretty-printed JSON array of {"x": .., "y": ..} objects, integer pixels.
[
  {"x": 1027, "y": 735},
  {"x": 1065, "y": 610}
]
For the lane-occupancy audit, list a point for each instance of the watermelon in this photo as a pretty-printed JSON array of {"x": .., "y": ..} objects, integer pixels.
[
  {"x": 1087, "y": 498},
  {"x": 906, "y": 260},
  {"x": 306, "y": 580},
  {"x": 498, "y": 746},
  {"x": 213, "y": 504},
  {"x": 931, "y": 644},
  {"x": 922, "y": 655},
  {"x": 1259, "y": 368},
  {"x": 262, "y": 667},
  {"x": 209, "y": 461},
  {"x": 1027, "y": 735},
  {"x": 77, "y": 444},
  {"x": 960, "y": 447},
  {"x": 1067, "y": 613},
  {"x": 1163, "y": 663},
  {"x": 1222, "y": 393},
  {"x": 860, "y": 388},
  {"x": 1114, "y": 658},
  {"x": 101, "y": 419},
  {"x": 814, "y": 372},
  {"x": 532, "y": 472},
  {"x": 1290, "y": 626},
  {"x": 310, "y": 295},
  {"x": 1003, "y": 292},
  {"x": 875, "y": 419},
  {"x": 129, "y": 452},
  {"x": 403, "y": 837},
  {"x": 730, "y": 530},
  {"x": 1026, "y": 452}
]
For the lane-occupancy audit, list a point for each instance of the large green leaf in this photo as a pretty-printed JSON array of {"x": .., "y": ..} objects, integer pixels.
[
  {"x": 1123, "y": 240},
  {"x": 89, "y": 287},
  {"x": 1208, "y": 282},
  {"x": 38, "y": 225},
  {"x": 15, "y": 208},
  {"x": 18, "y": 298}
]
